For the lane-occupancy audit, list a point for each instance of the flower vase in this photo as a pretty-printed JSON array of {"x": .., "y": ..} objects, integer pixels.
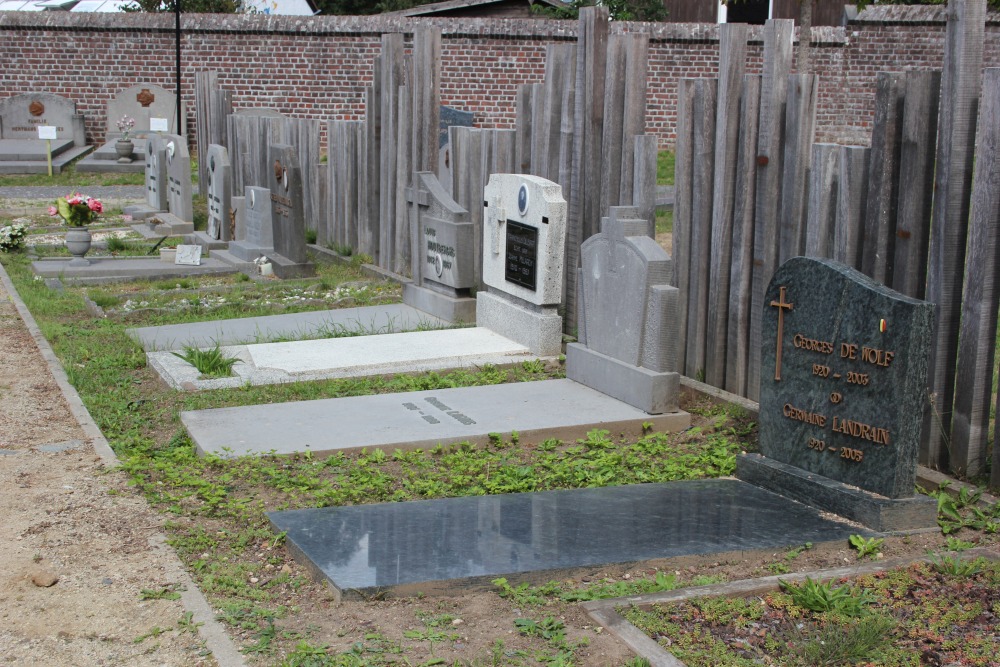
[
  {"x": 78, "y": 244},
  {"x": 124, "y": 148}
]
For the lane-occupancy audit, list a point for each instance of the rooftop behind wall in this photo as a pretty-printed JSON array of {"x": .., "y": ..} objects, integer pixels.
[{"x": 318, "y": 66}]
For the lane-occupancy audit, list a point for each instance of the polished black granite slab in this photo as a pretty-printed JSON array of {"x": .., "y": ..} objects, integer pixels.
[{"x": 436, "y": 545}]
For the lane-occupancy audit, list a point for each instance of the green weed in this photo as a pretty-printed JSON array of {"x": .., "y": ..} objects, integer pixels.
[
  {"x": 211, "y": 363},
  {"x": 820, "y": 596},
  {"x": 866, "y": 546}
]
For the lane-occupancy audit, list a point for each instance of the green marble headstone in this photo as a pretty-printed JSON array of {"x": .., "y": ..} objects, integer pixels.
[{"x": 843, "y": 376}]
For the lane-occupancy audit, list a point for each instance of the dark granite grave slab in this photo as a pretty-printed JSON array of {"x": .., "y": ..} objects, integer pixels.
[{"x": 452, "y": 544}]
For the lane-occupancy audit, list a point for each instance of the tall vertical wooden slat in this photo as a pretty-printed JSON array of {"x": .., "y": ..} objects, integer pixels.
[
  {"x": 588, "y": 121},
  {"x": 800, "y": 133},
  {"x": 821, "y": 217},
  {"x": 738, "y": 353},
  {"x": 852, "y": 198},
  {"x": 204, "y": 83},
  {"x": 977, "y": 337},
  {"x": 879, "y": 241},
  {"x": 770, "y": 145},
  {"x": 566, "y": 138},
  {"x": 633, "y": 112},
  {"x": 392, "y": 77},
  {"x": 960, "y": 85},
  {"x": 404, "y": 234},
  {"x": 683, "y": 175},
  {"x": 504, "y": 150},
  {"x": 612, "y": 137},
  {"x": 701, "y": 227},
  {"x": 368, "y": 226},
  {"x": 645, "y": 149},
  {"x": 916, "y": 183},
  {"x": 523, "y": 129},
  {"x": 426, "y": 91},
  {"x": 732, "y": 66}
]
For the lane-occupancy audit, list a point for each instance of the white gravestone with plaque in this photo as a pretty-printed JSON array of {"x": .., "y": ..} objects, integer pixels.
[{"x": 523, "y": 249}]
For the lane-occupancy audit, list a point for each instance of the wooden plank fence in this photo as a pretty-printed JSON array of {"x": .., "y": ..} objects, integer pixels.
[{"x": 753, "y": 190}]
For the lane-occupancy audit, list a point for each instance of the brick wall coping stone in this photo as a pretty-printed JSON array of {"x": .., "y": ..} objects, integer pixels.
[
  {"x": 549, "y": 30},
  {"x": 912, "y": 14}
]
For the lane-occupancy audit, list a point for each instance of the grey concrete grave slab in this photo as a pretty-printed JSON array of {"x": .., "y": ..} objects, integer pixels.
[
  {"x": 451, "y": 545},
  {"x": 391, "y": 318},
  {"x": 356, "y": 356},
  {"x": 110, "y": 269},
  {"x": 550, "y": 408}
]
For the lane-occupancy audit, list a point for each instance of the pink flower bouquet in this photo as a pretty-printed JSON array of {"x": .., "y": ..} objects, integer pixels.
[{"x": 76, "y": 209}]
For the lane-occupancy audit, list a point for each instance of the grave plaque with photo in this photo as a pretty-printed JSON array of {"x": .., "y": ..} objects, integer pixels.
[
  {"x": 522, "y": 255},
  {"x": 843, "y": 381},
  {"x": 523, "y": 230}
]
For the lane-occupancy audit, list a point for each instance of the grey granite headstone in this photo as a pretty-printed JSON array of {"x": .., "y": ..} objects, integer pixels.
[
  {"x": 219, "y": 193},
  {"x": 287, "y": 211},
  {"x": 627, "y": 316},
  {"x": 22, "y": 115},
  {"x": 156, "y": 173},
  {"x": 843, "y": 392},
  {"x": 178, "y": 177},
  {"x": 450, "y": 117},
  {"x": 444, "y": 252},
  {"x": 142, "y": 102},
  {"x": 258, "y": 226}
]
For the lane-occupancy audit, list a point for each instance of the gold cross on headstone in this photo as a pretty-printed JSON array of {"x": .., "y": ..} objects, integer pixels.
[{"x": 781, "y": 306}]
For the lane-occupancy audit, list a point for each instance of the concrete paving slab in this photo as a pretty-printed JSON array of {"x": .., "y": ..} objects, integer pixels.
[
  {"x": 357, "y": 356},
  {"x": 546, "y": 409},
  {"x": 27, "y": 150},
  {"x": 390, "y": 318},
  {"x": 41, "y": 166},
  {"x": 450, "y": 545},
  {"x": 114, "y": 269}
]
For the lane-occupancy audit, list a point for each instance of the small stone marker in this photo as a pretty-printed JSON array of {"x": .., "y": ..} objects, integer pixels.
[
  {"x": 178, "y": 177},
  {"x": 627, "y": 316},
  {"x": 287, "y": 210},
  {"x": 524, "y": 233},
  {"x": 843, "y": 391},
  {"x": 189, "y": 255},
  {"x": 444, "y": 266},
  {"x": 258, "y": 226},
  {"x": 219, "y": 193}
]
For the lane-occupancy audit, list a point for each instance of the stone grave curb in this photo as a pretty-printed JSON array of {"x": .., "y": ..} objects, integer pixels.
[
  {"x": 605, "y": 612},
  {"x": 210, "y": 630}
]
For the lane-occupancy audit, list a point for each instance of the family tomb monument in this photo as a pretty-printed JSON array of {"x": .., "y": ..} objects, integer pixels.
[{"x": 22, "y": 150}]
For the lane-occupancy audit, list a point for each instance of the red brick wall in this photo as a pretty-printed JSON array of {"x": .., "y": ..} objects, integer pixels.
[{"x": 318, "y": 66}]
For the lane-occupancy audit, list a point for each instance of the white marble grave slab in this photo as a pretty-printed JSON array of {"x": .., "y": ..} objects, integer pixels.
[{"x": 357, "y": 356}]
